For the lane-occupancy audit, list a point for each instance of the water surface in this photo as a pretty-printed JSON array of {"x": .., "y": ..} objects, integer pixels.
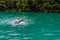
[{"x": 39, "y": 26}]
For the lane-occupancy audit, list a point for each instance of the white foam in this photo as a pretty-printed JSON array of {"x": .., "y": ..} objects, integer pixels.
[
  {"x": 13, "y": 23},
  {"x": 22, "y": 23}
]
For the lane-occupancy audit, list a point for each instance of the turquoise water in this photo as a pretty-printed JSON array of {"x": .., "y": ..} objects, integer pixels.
[{"x": 39, "y": 26}]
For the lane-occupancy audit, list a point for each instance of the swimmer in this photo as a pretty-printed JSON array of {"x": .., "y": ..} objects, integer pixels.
[{"x": 19, "y": 21}]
